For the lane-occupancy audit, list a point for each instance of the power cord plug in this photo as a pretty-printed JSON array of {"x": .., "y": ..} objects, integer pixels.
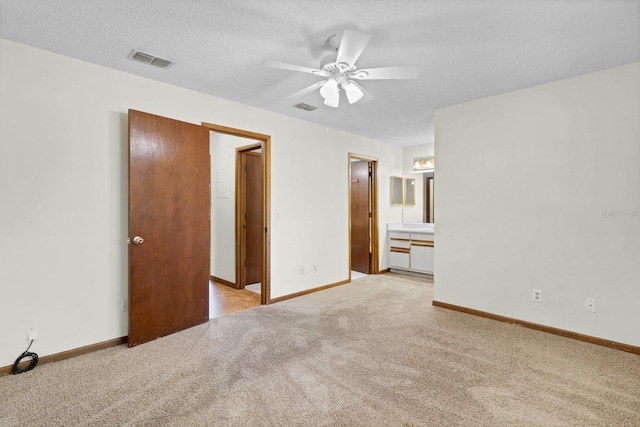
[{"x": 34, "y": 361}]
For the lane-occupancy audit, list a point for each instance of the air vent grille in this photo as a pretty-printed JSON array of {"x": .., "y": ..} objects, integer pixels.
[
  {"x": 159, "y": 62},
  {"x": 150, "y": 59},
  {"x": 305, "y": 107}
]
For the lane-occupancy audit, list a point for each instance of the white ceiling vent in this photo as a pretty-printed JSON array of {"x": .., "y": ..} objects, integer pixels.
[
  {"x": 305, "y": 107},
  {"x": 150, "y": 59}
]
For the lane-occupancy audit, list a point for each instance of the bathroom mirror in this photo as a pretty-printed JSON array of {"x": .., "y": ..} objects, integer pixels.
[
  {"x": 421, "y": 208},
  {"x": 409, "y": 191},
  {"x": 397, "y": 196}
]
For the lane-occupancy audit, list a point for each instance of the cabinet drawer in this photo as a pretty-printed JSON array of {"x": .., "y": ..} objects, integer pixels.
[
  {"x": 399, "y": 243},
  {"x": 399, "y": 235},
  {"x": 399, "y": 240},
  {"x": 422, "y": 240}
]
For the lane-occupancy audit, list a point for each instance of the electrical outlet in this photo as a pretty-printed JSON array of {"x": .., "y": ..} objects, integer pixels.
[
  {"x": 590, "y": 305},
  {"x": 32, "y": 334},
  {"x": 125, "y": 304},
  {"x": 305, "y": 269},
  {"x": 537, "y": 295}
]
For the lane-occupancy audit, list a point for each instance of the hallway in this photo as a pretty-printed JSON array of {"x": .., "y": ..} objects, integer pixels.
[{"x": 225, "y": 300}]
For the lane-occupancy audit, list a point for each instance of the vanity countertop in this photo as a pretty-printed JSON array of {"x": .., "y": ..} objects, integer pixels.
[{"x": 411, "y": 227}]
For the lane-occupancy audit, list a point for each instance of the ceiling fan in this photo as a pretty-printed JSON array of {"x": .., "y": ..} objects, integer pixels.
[{"x": 340, "y": 70}]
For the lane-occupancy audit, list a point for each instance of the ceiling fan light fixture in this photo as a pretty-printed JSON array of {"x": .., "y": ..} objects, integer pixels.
[
  {"x": 354, "y": 94},
  {"x": 331, "y": 93}
]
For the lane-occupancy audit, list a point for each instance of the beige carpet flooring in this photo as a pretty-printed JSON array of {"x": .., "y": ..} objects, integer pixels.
[{"x": 374, "y": 352}]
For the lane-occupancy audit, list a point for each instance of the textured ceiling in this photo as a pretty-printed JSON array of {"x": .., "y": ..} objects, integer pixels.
[{"x": 466, "y": 49}]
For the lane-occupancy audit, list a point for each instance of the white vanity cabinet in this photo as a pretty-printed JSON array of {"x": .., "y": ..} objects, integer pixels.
[{"x": 410, "y": 250}]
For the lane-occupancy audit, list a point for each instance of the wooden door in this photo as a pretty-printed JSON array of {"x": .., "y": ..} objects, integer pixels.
[
  {"x": 360, "y": 216},
  {"x": 169, "y": 205},
  {"x": 255, "y": 227}
]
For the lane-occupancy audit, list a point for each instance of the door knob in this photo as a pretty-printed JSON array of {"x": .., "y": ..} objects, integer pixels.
[{"x": 138, "y": 240}]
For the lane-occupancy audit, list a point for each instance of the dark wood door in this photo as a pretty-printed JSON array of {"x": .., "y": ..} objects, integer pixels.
[
  {"x": 360, "y": 217},
  {"x": 169, "y": 205},
  {"x": 255, "y": 226}
]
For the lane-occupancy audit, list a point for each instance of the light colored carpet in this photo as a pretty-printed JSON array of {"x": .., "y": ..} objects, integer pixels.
[{"x": 374, "y": 352}]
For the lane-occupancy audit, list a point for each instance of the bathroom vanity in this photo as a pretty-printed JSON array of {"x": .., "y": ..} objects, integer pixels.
[{"x": 411, "y": 248}]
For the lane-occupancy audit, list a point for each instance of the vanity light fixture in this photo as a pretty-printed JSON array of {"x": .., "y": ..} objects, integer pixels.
[{"x": 423, "y": 164}]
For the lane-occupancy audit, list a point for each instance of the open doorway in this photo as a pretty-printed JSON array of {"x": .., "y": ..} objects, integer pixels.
[
  {"x": 240, "y": 214},
  {"x": 363, "y": 216}
]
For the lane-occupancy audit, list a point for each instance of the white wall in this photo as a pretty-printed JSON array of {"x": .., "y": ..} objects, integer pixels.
[
  {"x": 528, "y": 183},
  {"x": 63, "y": 189}
]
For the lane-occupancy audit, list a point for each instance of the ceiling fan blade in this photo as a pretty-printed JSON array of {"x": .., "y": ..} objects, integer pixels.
[
  {"x": 331, "y": 93},
  {"x": 307, "y": 89},
  {"x": 291, "y": 67},
  {"x": 366, "y": 95},
  {"x": 388, "y": 73},
  {"x": 352, "y": 44}
]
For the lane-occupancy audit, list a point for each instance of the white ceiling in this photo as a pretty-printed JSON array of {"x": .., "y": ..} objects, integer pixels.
[{"x": 466, "y": 49}]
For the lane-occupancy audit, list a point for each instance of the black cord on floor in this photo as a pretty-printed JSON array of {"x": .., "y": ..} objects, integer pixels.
[{"x": 34, "y": 361}]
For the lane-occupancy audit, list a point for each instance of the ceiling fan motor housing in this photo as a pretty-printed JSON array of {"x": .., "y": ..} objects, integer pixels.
[{"x": 340, "y": 71}]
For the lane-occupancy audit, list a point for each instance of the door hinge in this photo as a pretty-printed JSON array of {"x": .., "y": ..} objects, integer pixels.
[{"x": 370, "y": 215}]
